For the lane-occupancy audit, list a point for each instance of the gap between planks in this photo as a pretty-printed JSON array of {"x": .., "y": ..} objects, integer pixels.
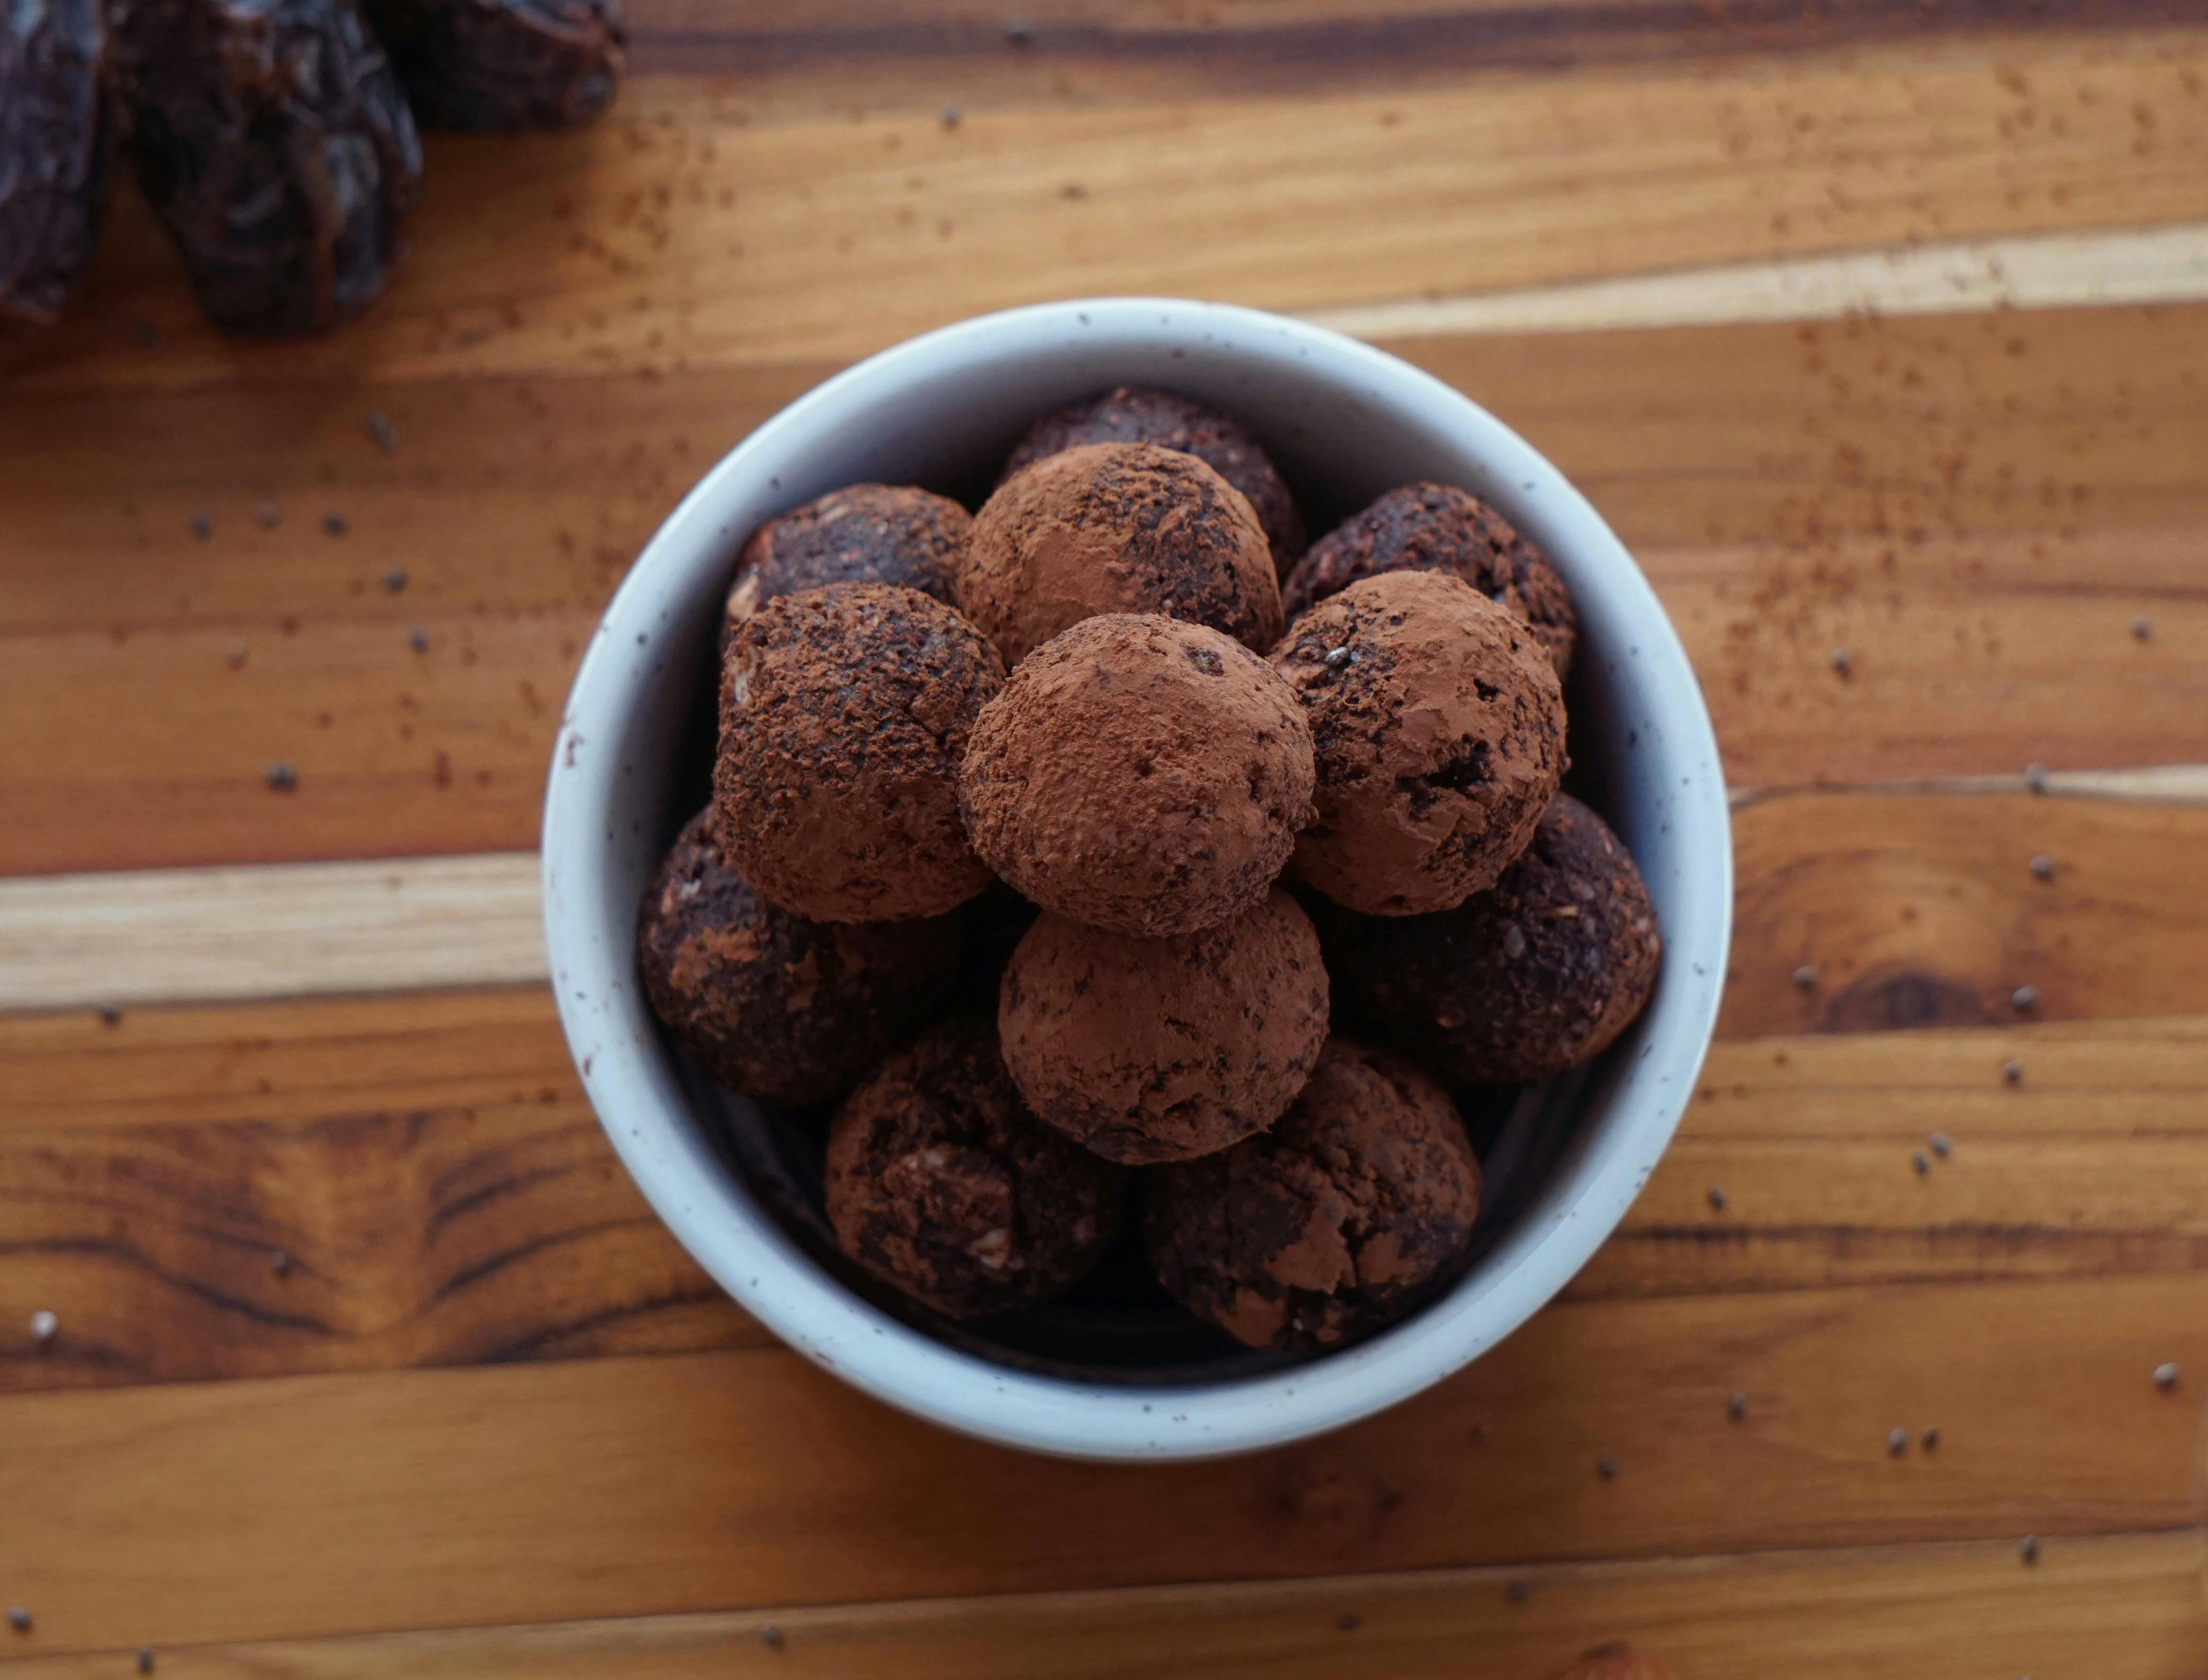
[{"x": 403, "y": 925}]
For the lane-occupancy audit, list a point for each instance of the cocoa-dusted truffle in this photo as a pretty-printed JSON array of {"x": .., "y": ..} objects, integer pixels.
[
  {"x": 1439, "y": 528},
  {"x": 1332, "y": 1224},
  {"x": 1138, "y": 413},
  {"x": 1440, "y": 731},
  {"x": 1117, "y": 528},
  {"x": 940, "y": 1182},
  {"x": 1158, "y": 1050},
  {"x": 774, "y": 1006},
  {"x": 1140, "y": 774},
  {"x": 844, "y": 713},
  {"x": 1539, "y": 974},
  {"x": 862, "y": 534}
]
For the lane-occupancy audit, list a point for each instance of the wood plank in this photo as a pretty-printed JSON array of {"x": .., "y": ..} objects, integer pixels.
[
  {"x": 307, "y": 1505},
  {"x": 433, "y": 1171},
  {"x": 2122, "y": 1607},
  {"x": 1979, "y": 508},
  {"x": 683, "y": 234},
  {"x": 274, "y": 931}
]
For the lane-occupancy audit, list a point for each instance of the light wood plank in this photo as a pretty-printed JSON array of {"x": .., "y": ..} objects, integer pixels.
[
  {"x": 300, "y": 1506},
  {"x": 2122, "y": 1607},
  {"x": 684, "y": 234},
  {"x": 277, "y": 930}
]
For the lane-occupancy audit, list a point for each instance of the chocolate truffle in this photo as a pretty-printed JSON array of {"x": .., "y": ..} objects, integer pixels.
[
  {"x": 1438, "y": 528},
  {"x": 1539, "y": 974},
  {"x": 774, "y": 1006},
  {"x": 1137, "y": 413},
  {"x": 939, "y": 1181},
  {"x": 863, "y": 533},
  {"x": 1158, "y": 1050},
  {"x": 844, "y": 713},
  {"x": 1331, "y": 1225},
  {"x": 1440, "y": 731},
  {"x": 1140, "y": 774},
  {"x": 1117, "y": 528}
]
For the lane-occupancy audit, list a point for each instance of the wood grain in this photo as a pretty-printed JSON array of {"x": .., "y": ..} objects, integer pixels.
[
  {"x": 683, "y": 234},
  {"x": 304, "y": 1505},
  {"x": 2122, "y": 1607},
  {"x": 278, "y": 931},
  {"x": 432, "y": 1171},
  {"x": 1908, "y": 488}
]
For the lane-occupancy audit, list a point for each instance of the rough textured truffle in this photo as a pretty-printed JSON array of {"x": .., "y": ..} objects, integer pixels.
[
  {"x": 940, "y": 1182},
  {"x": 844, "y": 713},
  {"x": 1437, "y": 528},
  {"x": 1332, "y": 1224},
  {"x": 774, "y": 1006},
  {"x": 1140, "y": 774},
  {"x": 1539, "y": 974},
  {"x": 863, "y": 533},
  {"x": 1440, "y": 731},
  {"x": 1137, "y": 414},
  {"x": 1158, "y": 1050},
  {"x": 1117, "y": 528}
]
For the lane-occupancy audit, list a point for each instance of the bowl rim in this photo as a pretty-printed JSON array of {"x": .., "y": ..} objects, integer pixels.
[{"x": 754, "y": 1260}]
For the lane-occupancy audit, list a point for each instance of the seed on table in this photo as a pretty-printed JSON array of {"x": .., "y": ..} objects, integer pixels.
[
  {"x": 950, "y": 116},
  {"x": 1736, "y": 1407},
  {"x": 1349, "y": 1621},
  {"x": 2034, "y": 776},
  {"x": 1606, "y": 1468},
  {"x": 45, "y": 1327},
  {"x": 336, "y": 523},
  {"x": 282, "y": 778},
  {"x": 1842, "y": 659},
  {"x": 2029, "y": 1549},
  {"x": 1932, "y": 1438},
  {"x": 2165, "y": 1376},
  {"x": 203, "y": 526},
  {"x": 19, "y": 1618},
  {"x": 110, "y": 1015},
  {"x": 145, "y": 1660},
  {"x": 1519, "y": 1590},
  {"x": 1717, "y": 1198},
  {"x": 1018, "y": 31},
  {"x": 2013, "y": 1070},
  {"x": 771, "y": 1636},
  {"x": 1922, "y": 1162},
  {"x": 2024, "y": 997},
  {"x": 395, "y": 579},
  {"x": 267, "y": 516},
  {"x": 1943, "y": 1145},
  {"x": 2142, "y": 628},
  {"x": 2043, "y": 866},
  {"x": 235, "y": 658},
  {"x": 382, "y": 433},
  {"x": 280, "y": 1263},
  {"x": 1897, "y": 1441},
  {"x": 1805, "y": 977},
  {"x": 418, "y": 639}
]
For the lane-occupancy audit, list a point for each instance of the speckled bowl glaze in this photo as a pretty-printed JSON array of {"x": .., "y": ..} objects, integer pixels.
[{"x": 1345, "y": 422}]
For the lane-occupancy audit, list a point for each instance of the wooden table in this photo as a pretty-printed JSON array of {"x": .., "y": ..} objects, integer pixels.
[{"x": 1879, "y": 327}]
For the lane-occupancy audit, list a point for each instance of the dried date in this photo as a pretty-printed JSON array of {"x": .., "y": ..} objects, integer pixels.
[
  {"x": 56, "y": 146},
  {"x": 504, "y": 63},
  {"x": 271, "y": 138}
]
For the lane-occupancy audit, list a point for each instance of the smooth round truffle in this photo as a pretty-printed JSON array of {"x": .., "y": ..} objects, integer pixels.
[
  {"x": 1439, "y": 528},
  {"x": 1539, "y": 974},
  {"x": 1140, "y": 774},
  {"x": 1160, "y": 1049},
  {"x": 939, "y": 1181},
  {"x": 1138, "y": 413},
  {"x": 844, "y": 714},
  {"x": 1439, "y": 727},
  {"x": 776, "y": 1006},
  {"x": 1333, "y": 1224},
  {"x": 1117, "y": 528},
  {"x": 862, "y": 534}
]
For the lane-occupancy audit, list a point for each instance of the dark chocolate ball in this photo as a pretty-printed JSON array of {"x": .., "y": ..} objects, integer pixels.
[
  {"x": 940, "y": 1182},
  {"x": 1537, "y": 975},
  {"x": 1333, "y": 1224},
  {"x": 844, "y": 714},
  {"x": 774, "y": 1006},
  {"x": 1438, "y": 528},
  {"x": 862, "y": 533},
  {"x": 1138, "y": 413}
]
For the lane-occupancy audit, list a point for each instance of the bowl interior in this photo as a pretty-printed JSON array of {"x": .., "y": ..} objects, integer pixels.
[{"x": 1345, "y": 423}]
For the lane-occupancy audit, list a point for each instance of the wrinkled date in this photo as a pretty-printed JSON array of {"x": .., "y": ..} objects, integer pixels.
[
  {"x": 504, "y": 63},
  {"x": 56, "y": 143},
  {"x": 271, "y": 138}
]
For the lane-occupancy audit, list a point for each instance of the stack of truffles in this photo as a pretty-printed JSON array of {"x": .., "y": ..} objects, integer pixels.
[{"x": 1177, "y": 792}]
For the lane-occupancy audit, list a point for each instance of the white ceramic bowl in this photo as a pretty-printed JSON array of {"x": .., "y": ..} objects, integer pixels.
[{"x": 1345, "y": 422}]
